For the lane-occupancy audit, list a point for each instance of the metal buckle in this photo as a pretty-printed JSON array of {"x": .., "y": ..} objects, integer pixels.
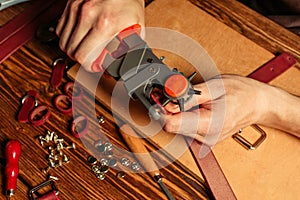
[
  {"x": 245, "y": 143},
  {"x": 51, "y": 182}
]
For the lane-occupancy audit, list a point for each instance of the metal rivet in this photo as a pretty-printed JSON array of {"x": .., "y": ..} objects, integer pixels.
[
  {"x": 100, "y": 176},
  {"x": 108, "y": 146},
  {"x": 104, "y": 169},
  {"x": 97, "y": 143},
  {"x": 113, "y": 162},
  {"x": 92, "y": 160},
  {"x": 72, "y": 146},
  {"x": 109, "y": 154},
  {"x": 125, "y": 162},
  {"x": 121, "y": 174},
  {"x": 95, "y": 168},
  {"x": 101, "y": 119},
  {"x": 66, "y": 159},
  {"x": 135, "y": 166},
  {"x": 101, "y": 148},
  {"x": 104, "y": 161}
]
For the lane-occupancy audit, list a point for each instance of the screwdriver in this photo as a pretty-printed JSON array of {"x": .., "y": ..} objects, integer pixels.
[
  {"x": 12, "y": 154},
  {"x": 136, "y": 145}
]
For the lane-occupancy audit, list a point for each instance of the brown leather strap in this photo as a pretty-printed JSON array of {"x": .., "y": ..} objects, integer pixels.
[
  {"x": 22, "y": 28},
  {"x": 273, "y": 68},
  {"x": 211, "y": 171},
  {"x": 208, "y": 165}
]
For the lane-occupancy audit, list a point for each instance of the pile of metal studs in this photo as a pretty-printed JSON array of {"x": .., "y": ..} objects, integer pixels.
[
  {"x": 56, "y": 147},
  {"x": 102, "y": 167}
]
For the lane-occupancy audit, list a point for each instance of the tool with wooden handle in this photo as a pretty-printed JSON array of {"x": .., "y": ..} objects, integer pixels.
[
  {"x": 12, "y": 155},
  {"x": 137, "y": 146}
]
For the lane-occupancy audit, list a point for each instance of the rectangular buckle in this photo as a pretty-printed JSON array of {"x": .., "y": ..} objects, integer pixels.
[{"x": 245, "y": 143}]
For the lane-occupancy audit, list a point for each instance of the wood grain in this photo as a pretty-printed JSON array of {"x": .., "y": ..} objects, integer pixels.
[{"x": 252, "y": 25}]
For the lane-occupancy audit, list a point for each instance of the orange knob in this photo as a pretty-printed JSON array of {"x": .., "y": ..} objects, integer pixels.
[{"x": 176, "y": 86}]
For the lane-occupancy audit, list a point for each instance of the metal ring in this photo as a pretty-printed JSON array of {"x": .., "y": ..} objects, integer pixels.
[{"x": 245, "y": 143}]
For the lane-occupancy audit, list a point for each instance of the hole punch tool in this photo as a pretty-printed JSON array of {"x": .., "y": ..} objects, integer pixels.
[{"x": 146, "y": 78}]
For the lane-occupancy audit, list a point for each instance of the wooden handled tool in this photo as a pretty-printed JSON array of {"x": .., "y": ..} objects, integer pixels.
[{"x": 136, "y": 145}]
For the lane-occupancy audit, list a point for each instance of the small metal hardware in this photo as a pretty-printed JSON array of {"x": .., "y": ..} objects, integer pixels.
[
  {"x": 104, "y": 169},
  {"x": 92, "y": 160},
  {"x": 125, "y": 162},
  {"x": 101, "y": 119},
  {"x": 109, "y": 153},
  {"x": 101, "y": 148},
  {"x": 135, "y": 166},
  {"x": 96, "y": 169},
  {"x": 51, "y": 182},
  {"x": 121, "y": 174},
  {"x": 104, "y": 161},
  {"x": 66, "y": 159},
  {"x": 112, "y": 162},
  {"x": 245, "y": 143},
  {"x": 162, "y": 58},
  {"x": 108, "y": 146},
  {"x": 98, "y": 143},
  {"x": 72, "y": 146},
  {"x": 100, "y": 176},
  {"x": 56, "y": 156}
]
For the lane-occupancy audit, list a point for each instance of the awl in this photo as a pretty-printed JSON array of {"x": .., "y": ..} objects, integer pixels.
[{"x": 137, "y": 146}]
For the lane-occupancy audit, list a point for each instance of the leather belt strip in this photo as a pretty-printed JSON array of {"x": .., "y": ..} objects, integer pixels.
[
  {"x": 208, "y": 165},
  {"x": 23, "y": 27}
]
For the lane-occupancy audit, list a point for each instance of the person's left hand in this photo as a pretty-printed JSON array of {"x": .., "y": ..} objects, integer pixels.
[{"x": 86, "y": 26}]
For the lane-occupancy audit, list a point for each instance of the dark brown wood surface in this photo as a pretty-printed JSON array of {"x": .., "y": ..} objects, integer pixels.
[{"x": 30, "y": 68}]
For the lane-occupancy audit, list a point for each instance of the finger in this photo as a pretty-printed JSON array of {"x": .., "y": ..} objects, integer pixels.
[
  {"x": 210, "y": 90},
  {"x": 70, "y": 24},
  {"x": 193, "y": 125},
  {"x": 62, "y": 20},
  {"x": 188, "y": 123},
  {"x": 91, "y": 47},
  {"x": 86, "y": 22}
]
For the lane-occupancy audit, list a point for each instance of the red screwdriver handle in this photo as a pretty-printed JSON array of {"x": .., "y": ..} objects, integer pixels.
[{"x": 12, "y": 153}]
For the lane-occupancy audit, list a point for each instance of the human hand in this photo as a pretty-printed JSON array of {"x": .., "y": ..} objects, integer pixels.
[
  {"x": 87, "y": 26},
  {"x": 227, "y": 104}
]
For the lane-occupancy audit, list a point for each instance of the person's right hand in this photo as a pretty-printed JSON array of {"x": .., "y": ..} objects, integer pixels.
[
  {"x": 227, "y": 104},
  {"x": 86, "y": 26}
]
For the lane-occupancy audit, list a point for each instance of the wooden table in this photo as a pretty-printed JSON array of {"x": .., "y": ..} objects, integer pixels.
[{"x": 30, "y": 69}]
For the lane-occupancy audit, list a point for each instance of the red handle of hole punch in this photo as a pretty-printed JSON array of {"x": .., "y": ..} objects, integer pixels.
[
  {"x": 12, "y": 153},
  {"x": 97, "y": 65}
]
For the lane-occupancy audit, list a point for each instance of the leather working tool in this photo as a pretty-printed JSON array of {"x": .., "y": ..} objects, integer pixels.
[
  {"x": 31, "y": 112},
  {"x": 136, "y": 145},
  {"x": 12, "y": 155},
  {"x": 145, "y": 76}
]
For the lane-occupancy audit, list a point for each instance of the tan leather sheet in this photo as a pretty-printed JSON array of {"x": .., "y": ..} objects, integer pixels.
[{"x": 269, "y": 172}]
